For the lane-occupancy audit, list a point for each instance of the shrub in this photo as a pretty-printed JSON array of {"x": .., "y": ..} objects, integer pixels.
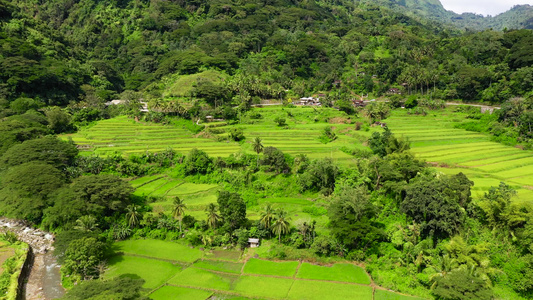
[
  {"x": 236, "y": 134},
  {"x": 281, "y": 121},
  {"x": 197, "y": 162},
  {"x": 327, "y": 135},
  {"x": 411, "y": 102}
]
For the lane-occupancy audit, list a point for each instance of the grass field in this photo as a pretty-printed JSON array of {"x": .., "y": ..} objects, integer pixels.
[{"x": 174, "y": 271}]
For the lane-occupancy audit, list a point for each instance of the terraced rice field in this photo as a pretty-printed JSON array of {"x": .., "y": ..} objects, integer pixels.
[
  {"x": 198, "y": 196},
  {"x": 301, "y": 136},
  {"x": 195, "y": 196},
  {"x": 124, "y": 135},
  {"x": 175, "y": 271},
  {"x": 487, "y": 163}
]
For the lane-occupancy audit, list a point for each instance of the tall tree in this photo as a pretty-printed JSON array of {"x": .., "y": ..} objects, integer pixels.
[
  {"x": 232, "y": 210},
  {"x": 257, "y": 145},
  {"x": 435, "y": 203},
  {"x": 178, "y": 209},
  {"x": 212, "y": 215},
  {"x": 351, "y": 218},
  {"x": 133, "y": 215},
  {"x": 267, "y": 215},
  {"x": 281, "y": 224}
]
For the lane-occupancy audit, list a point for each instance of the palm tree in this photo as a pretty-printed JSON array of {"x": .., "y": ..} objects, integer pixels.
[
  {"x": 444, "y": 266},
  {"x": 86, "y": 223},
  {"x": 179, "y": 209},
  {"x": 281, "y": 225},
  {"x": 257, "y": 145},
  {"x": 133, "y": 215},
  {"x": 267, "y": 215},
  {"x": 212, "y": 216}
]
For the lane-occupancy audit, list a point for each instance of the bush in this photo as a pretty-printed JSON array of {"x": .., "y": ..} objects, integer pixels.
[
  {"x": 315, "y": 211},
  {"x": 274, "y": 159},
  {"x": 327, "y": 135},
  {"x": 236, "y": 134},
  {"x": 411, "y": 102},
  {"x": 281, "y": 121},
  {"x": 197, "y": 162}
]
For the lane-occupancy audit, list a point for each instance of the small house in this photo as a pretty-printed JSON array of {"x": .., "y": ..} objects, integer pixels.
[
  {"x": 394, "y": 91},
  {"x": 309, "y": 101},
  {"x": 254, "y": 243},
  {"x": 358, "y": 103}
]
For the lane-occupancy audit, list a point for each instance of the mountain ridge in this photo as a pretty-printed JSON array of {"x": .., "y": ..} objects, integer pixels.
[{"x": 518, "y": 17}]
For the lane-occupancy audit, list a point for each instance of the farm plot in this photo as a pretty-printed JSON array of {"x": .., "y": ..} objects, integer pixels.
[
  {"x": 266, "y": 267},
  {"x": 195, "y": 196},
  {"x": 487, "y": 163},
  {"x": 302, "y": 289},
  {"x": 174, "y": 292},
  {"x": 154, "y": 272},
  {"x": 386, "y": 295},
  {"x": 175, "y": 271},
  {"x": 198, "y": 278},
  {"x": 221, "y": 266},
  {"x": 144, "y": 180},
  {"x": 301, "y": 136},
  {"x": 127, "y": 136},
  {"x": 159, "y": 249},
  {"x": 268, "y": 287},
  {"x": 336, "y": 272}
]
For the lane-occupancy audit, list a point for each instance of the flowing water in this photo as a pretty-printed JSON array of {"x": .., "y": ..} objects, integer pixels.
[
  {"x": 51, "y": 280},
  {"x": 44, "y": 281}
]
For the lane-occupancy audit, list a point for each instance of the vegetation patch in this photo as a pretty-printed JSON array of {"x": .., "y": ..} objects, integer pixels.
[
  {"x": 269, "y": 287},
  {"x": 336, "y": 272},
  {"x": 154, "y": 272},
  {"x": 176, "y": 292},
  {"x": 194, "y": 277},
  {"x": 311, "y": 290},
  {"x": 222, "y": 266},
  {"x": 159, "y": 249},
  {"x": 386, "y": 295},
  {"x": 267, "y": 267},
  {"x": 226, "y": 254}
]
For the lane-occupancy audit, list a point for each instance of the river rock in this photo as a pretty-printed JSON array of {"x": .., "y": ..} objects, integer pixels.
[{"x": 39, "y": 240}]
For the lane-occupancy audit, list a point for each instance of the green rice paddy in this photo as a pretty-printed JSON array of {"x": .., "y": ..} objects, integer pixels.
[
  {"x": 124, "y": 135},
  {"x": 172, "y": 273},
  {"x": 336, "y": 272},
  {"x": 176, "y": 271},
  {"x": 266, "y": 267},
  {"x": 487, "y": 163},
  {"x": 159, "y": 249}
]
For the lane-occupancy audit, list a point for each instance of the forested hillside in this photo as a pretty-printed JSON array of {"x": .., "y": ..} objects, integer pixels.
[
  {"x": 62, "y": 51},
  {"x": 518, "y": 17}
]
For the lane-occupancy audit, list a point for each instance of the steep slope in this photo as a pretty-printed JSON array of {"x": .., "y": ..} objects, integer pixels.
[{"x": 518, "y": 17}]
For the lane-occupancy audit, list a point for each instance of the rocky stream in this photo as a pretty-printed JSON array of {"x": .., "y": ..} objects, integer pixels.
[{"x": 43, "y": 280}]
